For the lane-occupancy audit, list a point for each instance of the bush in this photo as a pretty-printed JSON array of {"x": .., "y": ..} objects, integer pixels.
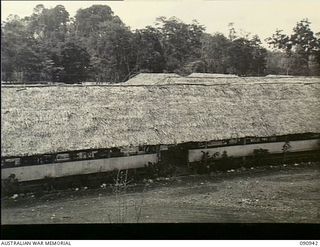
[
  {"x": 160, "y": 169},
  {"x": 10, "y": 185},
  {"x": 260, "y": 156}
]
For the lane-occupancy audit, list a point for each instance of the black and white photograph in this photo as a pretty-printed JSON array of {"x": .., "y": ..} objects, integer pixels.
[{"x": 189, "y": 111}]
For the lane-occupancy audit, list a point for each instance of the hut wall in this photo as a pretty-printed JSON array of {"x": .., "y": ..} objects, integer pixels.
[
  {"x": 29, "y": 173},
  {"x": 247, "y": 150}
]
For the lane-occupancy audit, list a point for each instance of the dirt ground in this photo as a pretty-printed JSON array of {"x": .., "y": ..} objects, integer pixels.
[{"x": 288, "y": 194}]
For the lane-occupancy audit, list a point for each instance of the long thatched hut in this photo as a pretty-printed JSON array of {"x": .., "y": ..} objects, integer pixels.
[{"x": 54, "y": 119}]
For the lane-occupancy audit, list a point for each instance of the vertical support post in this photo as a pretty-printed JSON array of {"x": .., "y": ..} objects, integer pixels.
[
  {"x": 206, "y": 154},
  {"x": 244, "y": 157},
  {"x": 158, "y": 153}
]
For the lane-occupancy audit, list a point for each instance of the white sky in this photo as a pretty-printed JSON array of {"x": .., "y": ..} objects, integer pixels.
[{"x": 260, "y": 17}]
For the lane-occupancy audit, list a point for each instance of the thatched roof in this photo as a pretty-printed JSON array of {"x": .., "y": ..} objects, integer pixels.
[
  {"x": 208, "y": 75},
  {"x": 89, "y": 83},
  {"x": 165, "y": 79},
  {"x": 150, "y": 78},
  {"x": 280, "y": 76},
  {"x": 49, "y": 119}
]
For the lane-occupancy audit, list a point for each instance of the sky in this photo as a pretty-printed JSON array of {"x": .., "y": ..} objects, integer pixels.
[{"x": 261, "y": 17}]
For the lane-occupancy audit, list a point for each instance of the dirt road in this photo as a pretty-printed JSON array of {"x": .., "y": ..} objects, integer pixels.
[{"x": 277, "y": 194}]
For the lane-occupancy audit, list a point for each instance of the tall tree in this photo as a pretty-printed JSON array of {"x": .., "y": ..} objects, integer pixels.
[
  {"x": 150, "y": 53},
  {"x": 259, "y": 55},
  {"x": 215, "y": 52},
  {"x": 49, "y": 25},
  {"x": 301, "y": 47},
  {"x": 20, "y": 53},
  {"x": 108, "y": 41},
  {"x": 239, "y": 56},
  {"x": 181, "y": 42},
  {"x": 88, "y": 21},
  {"x": 75, "y": 60}
]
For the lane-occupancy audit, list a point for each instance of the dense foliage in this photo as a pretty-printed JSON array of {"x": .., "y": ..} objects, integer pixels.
[
  {"x": 301, "y": 50},
  {"x": 96, "y": 45}
]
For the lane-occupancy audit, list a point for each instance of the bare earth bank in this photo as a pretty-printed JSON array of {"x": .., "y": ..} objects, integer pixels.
[{"x": 283, "y": 194}]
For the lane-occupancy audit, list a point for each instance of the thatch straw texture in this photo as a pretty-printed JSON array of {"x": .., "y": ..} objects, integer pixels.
[
  {"x": 150, "y": 78},
  {"x": 89, "y": 83},
  {"x": 37, "y": 120},
  {"x": 280, "y": 76},
  {"x": 208, "y": 75},
  {"x": 156, "y": 79}
]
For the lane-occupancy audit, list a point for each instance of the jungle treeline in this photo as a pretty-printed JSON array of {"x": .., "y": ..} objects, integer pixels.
[{"x": 95, "y": 45}]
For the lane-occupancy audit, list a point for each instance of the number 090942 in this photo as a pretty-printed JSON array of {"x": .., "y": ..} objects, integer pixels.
[{"x": 308, "y": 243}]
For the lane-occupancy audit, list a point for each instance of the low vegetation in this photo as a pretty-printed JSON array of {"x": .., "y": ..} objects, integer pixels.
[{"x": 123, "y": 204}]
